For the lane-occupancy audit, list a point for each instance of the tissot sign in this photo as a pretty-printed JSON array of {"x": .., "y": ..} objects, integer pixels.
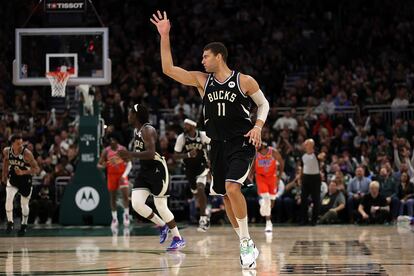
[{"x": 65, "y": 5}]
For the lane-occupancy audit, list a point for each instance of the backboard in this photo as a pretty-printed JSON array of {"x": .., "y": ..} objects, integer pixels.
[{"x": 83, "y": 50}]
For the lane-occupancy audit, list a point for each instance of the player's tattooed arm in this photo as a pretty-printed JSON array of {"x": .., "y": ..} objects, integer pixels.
[
  {"x": 34, "y": 167},
  {"x": 5, "y": 170}
]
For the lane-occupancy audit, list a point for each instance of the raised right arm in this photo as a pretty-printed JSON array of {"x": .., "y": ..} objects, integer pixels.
[{"x": 192, "y": 78}]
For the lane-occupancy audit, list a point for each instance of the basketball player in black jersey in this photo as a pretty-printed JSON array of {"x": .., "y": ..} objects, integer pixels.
[
  {"x": 191, "y": 147},
  {"x": 227, "y": 97},
  {"x": 18, "y": 167},
  {"x": 153, "y": 177}
]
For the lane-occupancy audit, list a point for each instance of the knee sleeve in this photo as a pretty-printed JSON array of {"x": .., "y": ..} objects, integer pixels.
[
  {"x": 138, "y": 199},
  {"x": 162, "y": 208},
  {"x": 24, "y": 202}
]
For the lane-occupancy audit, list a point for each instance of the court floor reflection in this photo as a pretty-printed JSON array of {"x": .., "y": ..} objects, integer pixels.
[{"x": 330, "y": 250}]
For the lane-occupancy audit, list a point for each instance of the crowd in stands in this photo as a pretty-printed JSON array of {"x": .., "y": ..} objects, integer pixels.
[{"x": 352, "y": 55}]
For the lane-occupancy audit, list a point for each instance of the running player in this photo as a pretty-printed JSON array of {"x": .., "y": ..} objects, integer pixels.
[
  {"x": 227, "y": 97},
  {"x": 18, "y": 167},
  {"x": 117, "y": 171},
  {"x": 268, "y": 168},
  {"x": 153, "y": 178},
  {"x": 190, "y": 146}
]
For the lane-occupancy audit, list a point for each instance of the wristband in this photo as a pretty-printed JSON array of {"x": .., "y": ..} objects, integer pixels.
[
  {"x": 258, "y": 127},
  {"x": 188, "y": 154}
]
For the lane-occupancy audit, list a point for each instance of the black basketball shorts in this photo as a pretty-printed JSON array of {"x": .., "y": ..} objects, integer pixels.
[
  {"x": 23, "y": 184},
  {"x": 231, "y": 161},
  {"x": 196, "y": 176},
  {"x": 154, "y": 178}
]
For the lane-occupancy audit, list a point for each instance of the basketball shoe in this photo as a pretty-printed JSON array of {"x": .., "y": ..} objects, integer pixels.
[
  {"x": 269, "y": 226},
  {"x": 248, "y": 254},
  {"x": 204, "y": 224},
  {"x": 22, "y": 231},
  {"x": 126, "y": 220},
  {"x": 114, "y": 223},
  {"x": 176, "y": 244},
  {"x": 10, "y": 227}
]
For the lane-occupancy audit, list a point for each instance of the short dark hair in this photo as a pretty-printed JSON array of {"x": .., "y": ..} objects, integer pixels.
[
  {"x": 141, "y": 113},
  {"x": 217, "y": 48},
  {"x": 114, "y": 136},
  {"x": 15, "y": 137}
]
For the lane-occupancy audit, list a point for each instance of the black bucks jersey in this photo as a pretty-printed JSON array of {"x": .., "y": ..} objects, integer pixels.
[
  {"x": 22, "y": 182},
  {"x": 185, "y": 144},
  {"x": 139, "y": 146},
  {"x": 226, "y": 108},
  {"x": 153, "y": 175}
]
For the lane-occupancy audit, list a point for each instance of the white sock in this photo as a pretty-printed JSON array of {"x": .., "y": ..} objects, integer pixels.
[
  {"x": 157, "y": 220},
  {"x": 9, "y": 216},
  {"x": 126, "y": 211},
  {"x": 175, "y": 232},
  {"x": 114, "y": 215},
  {"x": 244, "y": 228},
  {"x": 268, "y": 222},
  {"x": 24, "y": 219},
  {"x": 237, "y": 231}
]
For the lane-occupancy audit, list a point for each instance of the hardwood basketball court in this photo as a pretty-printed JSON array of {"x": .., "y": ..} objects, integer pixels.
[{"x": 322, "y": 250}]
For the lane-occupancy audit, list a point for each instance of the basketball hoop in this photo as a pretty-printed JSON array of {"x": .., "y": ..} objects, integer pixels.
[{"x": 58, "y": 80}]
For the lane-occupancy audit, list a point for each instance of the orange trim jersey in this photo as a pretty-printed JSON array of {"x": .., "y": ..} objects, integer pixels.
[
  {"x": 266, "y": 172},
  {"x": 266, "y": 165},
  {"x": 114, "y": 164}
]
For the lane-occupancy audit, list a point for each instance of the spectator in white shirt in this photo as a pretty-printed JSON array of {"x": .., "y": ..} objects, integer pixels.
[
  {"x": 400, "y": 100},
  {"x": 182, "y": 104},
  {"x": 326, "y": 106},
  {"x": 286, "y": 121}
]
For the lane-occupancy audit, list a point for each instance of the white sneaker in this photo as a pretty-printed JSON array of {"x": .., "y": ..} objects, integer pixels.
[
  {"x": 49, "y": 221},
  {"x": 204, "y": 224},
  {"x": 114, "y": 223},
  {"x": 269, "y": 226},
  {"x": 126, "y": 220},
  {"x": 248, "y": 254}
]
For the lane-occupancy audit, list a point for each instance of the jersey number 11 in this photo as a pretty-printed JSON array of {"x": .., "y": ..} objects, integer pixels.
[{"x": 221, "y": 109}]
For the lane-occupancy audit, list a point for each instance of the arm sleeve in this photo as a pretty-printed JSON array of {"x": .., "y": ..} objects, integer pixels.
[
  {"x": 262, "y": 105},
  {"x": 179, "y": 144},
  {"x": 281, "y": 189},
  {"x": 127, "y": 169},
  {"x": 204, "y": 138}
]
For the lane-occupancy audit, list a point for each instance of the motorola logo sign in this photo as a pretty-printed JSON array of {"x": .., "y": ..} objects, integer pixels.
[{"x": 87, "y": 198}]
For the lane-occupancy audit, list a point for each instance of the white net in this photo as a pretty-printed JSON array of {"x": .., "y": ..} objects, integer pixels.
[{"x": 58, "y": 82}]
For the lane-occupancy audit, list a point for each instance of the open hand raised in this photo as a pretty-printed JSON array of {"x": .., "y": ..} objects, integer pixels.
[{"x": 161, "y": 22}]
